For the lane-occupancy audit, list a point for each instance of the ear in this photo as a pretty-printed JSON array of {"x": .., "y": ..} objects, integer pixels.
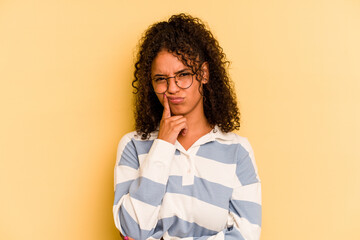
[{"x": 205, "y": 73}]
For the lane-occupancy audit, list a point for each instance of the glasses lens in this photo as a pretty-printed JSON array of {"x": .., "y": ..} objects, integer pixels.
[
  {"x": 184, "y": 79},
  {"x": 160, "y": 84}
]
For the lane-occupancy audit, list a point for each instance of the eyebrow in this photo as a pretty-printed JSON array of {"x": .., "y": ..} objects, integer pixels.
[{"x": 182, "y": 70}]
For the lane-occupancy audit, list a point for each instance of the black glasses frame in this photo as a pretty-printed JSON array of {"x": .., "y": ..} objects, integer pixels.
[{"x": 176, "y": 82}]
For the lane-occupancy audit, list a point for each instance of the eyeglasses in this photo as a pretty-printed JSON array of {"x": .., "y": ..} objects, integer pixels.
[{"x": 182, "y": 79}]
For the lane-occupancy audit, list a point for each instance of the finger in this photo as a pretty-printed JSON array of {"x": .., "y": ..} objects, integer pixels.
[
  {"x": 179, "y": 122},
  {"x": 175, "y": 118},
  {"x": 166, "y": 112},
  {"x": 184, "y": 130},
  {"x": 181, "y": 125}
]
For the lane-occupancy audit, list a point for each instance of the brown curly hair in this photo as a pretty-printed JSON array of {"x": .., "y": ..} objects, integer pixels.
[{"x": 194, "y": 44}]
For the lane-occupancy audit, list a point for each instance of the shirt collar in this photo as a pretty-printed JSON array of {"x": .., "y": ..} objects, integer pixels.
[{"x": 215, "y": 134}]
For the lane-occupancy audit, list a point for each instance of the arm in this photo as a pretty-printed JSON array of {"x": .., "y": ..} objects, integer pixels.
[
  {"x": 140, "y": 188},
  {"x": 244, "y": 218}
]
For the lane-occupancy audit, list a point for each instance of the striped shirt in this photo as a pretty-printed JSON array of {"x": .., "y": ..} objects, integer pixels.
[{"x": 210, "y": 191}]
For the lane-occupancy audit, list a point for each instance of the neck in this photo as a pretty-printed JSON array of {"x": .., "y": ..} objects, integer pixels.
[
  {"x": 197, "y": 125},
  {"x": 197, "y": 122}
]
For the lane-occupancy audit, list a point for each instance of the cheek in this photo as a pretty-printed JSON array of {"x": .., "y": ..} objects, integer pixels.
[
  {"x": 196, "y": 91},
  {"x": 161, "y": 98}
]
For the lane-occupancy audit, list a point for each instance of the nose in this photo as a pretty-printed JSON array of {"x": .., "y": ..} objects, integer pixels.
[{"x": 172, "y": 87}]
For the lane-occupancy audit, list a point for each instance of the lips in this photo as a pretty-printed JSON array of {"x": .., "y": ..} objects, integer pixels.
[{"x": 176, "y": 100}]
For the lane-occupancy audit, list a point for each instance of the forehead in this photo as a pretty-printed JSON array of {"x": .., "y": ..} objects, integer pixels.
[{"x": 166, "y": 63}]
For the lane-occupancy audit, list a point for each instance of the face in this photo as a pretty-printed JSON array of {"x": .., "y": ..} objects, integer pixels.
[{"x": 182, "y": 101}]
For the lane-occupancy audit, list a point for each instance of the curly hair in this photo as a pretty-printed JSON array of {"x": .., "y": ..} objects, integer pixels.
[{"x": 189, "y": 39}]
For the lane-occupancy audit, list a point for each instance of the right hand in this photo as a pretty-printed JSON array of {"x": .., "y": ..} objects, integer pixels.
[{"x": 171, "y": 126}]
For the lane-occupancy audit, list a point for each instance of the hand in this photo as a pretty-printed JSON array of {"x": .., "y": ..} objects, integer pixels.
[
  {"x": 171, "y": 126},
  {"x": 126, "y": 237}
]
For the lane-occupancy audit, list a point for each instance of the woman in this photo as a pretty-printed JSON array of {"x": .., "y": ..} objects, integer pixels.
[{"x": 183, "y": 173}]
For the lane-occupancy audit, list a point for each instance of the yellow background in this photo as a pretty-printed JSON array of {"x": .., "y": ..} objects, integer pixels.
[{"x": 65, "y": 102}]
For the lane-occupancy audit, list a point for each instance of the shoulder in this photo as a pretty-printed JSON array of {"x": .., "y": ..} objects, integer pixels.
[
  {"x": 131, "y": 146},
  {"x": 244, "y": 156},
  {"x": 233, "y": 138},
  {"x": 244, "y": 142},
  {"x": 133, "y": 142},
  {"x": 240, "y": 143},
  {"x": 135, "y": 136}
]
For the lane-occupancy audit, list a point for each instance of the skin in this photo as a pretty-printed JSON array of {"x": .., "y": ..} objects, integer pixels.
[{"x": 183, "y": 117}]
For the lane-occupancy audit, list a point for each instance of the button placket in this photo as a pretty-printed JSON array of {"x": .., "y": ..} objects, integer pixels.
[{"x": 188, "y": 177}]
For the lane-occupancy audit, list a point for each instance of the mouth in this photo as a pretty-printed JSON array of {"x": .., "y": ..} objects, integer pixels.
[{"x": 176, "y": 100}]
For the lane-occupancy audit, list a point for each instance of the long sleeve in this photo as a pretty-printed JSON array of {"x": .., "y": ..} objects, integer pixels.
[
  {"x": 244, "y": 218},
  {"x": 141, "y": 176}
]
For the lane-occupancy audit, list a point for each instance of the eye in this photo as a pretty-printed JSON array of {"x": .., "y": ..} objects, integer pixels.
[
  {"x": 184, "y": 74},
  {"x": 159, "y": 79}
]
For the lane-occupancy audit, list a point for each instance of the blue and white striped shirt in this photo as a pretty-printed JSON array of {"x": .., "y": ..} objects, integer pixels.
[{"x": 210, "y": 191}]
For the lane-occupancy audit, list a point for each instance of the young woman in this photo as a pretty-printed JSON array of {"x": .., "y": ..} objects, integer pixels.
[{"x": 183, "y": 174}]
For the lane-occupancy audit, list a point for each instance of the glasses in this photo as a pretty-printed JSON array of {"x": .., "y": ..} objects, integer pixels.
[{"x": 182, "y": 79}]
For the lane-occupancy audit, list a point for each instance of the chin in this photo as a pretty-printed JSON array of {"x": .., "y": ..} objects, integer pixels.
[{"x": 177, "y": 111}]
